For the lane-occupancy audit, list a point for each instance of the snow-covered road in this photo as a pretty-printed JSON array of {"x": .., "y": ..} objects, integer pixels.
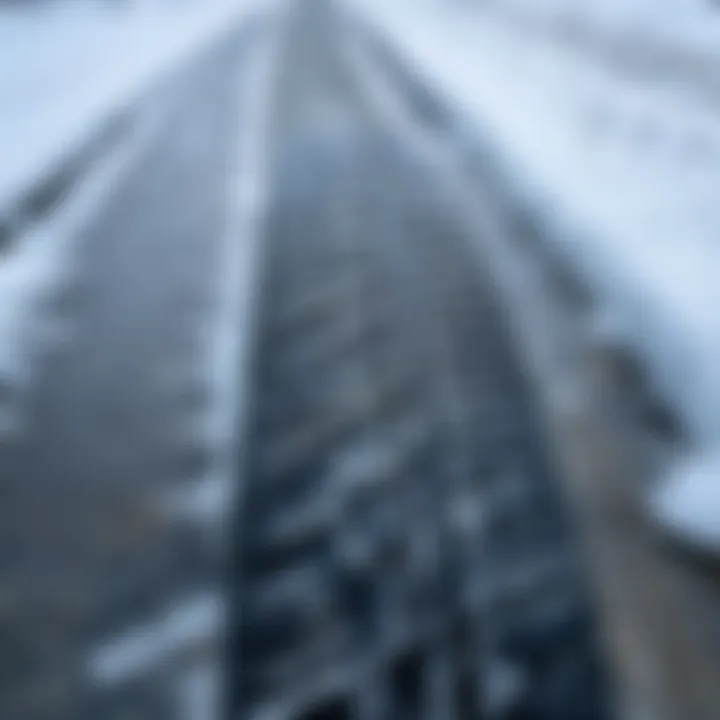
[
  {"x": 626, "y": 174},
  {"x": 140, "y": 275},
  {"x": 64, "y": 67},
  {"x": 65, "y": 70},
  {"x": 691, "y": 25},
  {"x": 675, "y": 43}
]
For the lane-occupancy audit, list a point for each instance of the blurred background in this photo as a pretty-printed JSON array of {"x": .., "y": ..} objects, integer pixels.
[{"x": 359, "y": 359}]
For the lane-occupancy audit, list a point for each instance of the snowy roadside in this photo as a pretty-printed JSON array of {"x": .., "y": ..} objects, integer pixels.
[
  {"x": 626, "y": 175},
  {"x": 40, "y": 268},
  {"x": 68, "y": 67},
  {"x": 199, "y": 622},
  {"x": 72, "y": 72},
  {"x": 689, "y": 25},
  {"x": 667, "y": 41}
]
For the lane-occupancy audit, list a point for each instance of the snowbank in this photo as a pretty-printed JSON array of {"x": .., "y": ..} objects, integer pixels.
[
  {"x": 65, "y": 71},
  {"x": 627, "y": 173},
  {"x": 66, "y": 67},
  {"x": 690, "y": 24},
  {"x": 687, "y": 503}
]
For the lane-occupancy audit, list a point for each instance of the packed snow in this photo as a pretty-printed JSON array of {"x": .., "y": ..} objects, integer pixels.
[
  {"x": 688, "y": 505},
  {"x": 64, "y": 69},
  {"x": 692, "y": 25},
  {"x": 64, "y": 66},
  {"x": 627, "y": 174},
  {"x": 145, "y": 648},
  {"x": 37, "y": 267},
  {"x": 206, "y": 500}
]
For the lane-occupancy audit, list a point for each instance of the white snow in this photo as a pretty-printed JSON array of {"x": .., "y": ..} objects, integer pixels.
[
  {"x": 626, "y": 173},
  {"x": 209, "y": 500},
  {"x": 687, "y": 503},
  {"x": 147, "y": 647},
  {"x": 64, "y": 69},
  {"x": 690, "y": 25},
  {"x": 66, "y": 66},
  {"x": 40, "y": 265}
]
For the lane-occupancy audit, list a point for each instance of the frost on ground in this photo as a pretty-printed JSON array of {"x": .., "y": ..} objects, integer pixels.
[{"x": 626, "y": 173}]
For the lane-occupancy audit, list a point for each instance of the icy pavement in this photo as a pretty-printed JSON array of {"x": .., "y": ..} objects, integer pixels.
[
  {"x": 152, "y": 254},
  {"x": 626, "y": 173},
  {"x": 688, "y": 502},
  {"x": 673, "y": 42},
  {"x": 64, "y": 70}
]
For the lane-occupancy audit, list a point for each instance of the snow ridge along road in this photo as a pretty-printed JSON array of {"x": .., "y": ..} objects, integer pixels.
[
  {"x": 623, "y": 174},
  {"x": 76, "y": 114},
  {"x": 75, "y": 68},
  {"x": 117, "y": 416}
]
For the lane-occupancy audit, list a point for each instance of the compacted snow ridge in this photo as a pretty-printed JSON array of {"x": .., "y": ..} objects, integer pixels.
[{"x": 626, "y": 173}]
